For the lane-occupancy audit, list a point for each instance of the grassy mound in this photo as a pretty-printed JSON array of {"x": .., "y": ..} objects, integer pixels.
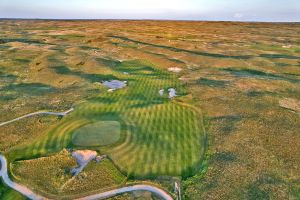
[{"x": 97, "y": 134}]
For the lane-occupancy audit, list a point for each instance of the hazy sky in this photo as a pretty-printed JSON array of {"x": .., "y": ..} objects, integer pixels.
[{"x": 238, "y": 10}]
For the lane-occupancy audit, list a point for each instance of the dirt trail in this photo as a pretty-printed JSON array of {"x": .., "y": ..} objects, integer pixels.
[
  {"x": 37, "y": 113},
  {"x": 20, "y": 188},
  {"x": 112, "y": 193}
]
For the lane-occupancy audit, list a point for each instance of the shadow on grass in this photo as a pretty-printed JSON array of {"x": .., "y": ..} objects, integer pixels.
[
  {"x": 182, "y": 50},
  {"x": 6, "y": 78},
  {"x": 255, "y": 93},
  {"x": 165, "y": 56},
  {"x": 224, "y": 157},
  {"x": 228, "y": 123},
  {"x": 256, "y": 189},
  {"x": 23, "y": 40},
  {"x": 212, "y": 83},
  {"x": 272, "y": 56},
  {"x": 251, "y": 73},
  {"x": 133, "y": 67},
  {"x": 13, "y": 91},
  {"x": 214, "y": 55},
  {"x": 89, "y": 77}
]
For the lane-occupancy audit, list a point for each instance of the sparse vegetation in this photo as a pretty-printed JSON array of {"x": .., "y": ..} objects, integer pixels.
[{"x": 51, "y": 175}]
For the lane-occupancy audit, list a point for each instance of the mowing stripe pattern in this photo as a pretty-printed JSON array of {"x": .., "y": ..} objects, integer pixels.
[{"x": 160, "y": 136}]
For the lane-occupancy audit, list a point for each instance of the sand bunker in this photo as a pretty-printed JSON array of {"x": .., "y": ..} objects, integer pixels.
[
  {"x": 291, "y": 104},
  {"x": 172, "y": 93},
  {"x": 287, "y": 46},
  {"x": 161, "y": 92},
  {"x": 175, "y": 69},
  {"x": 83, "y": 157},
  {"x": 115, "y": 84}
]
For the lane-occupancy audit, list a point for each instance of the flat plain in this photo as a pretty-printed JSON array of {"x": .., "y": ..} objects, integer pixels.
[{"x": 232, "y": 131}]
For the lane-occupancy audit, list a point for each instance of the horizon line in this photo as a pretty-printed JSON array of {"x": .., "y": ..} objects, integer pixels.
[{"x": 146, "y": 19}]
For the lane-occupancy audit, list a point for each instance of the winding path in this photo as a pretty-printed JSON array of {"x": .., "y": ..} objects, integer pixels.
[
  {"x": 31, "y": 195},
  {"x": 38, "y": 113},
  {"x": 20, "y": 188},
  {"x": 112, "y": 193}
]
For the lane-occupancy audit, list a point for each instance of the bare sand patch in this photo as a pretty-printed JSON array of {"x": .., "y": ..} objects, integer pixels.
[
  {"x": 115, "y": 84},
  {"x": 172, "y": 93},
  {"x": 175, "y": 69},
  {"x": 83, "y": 157},
  {"x": 291, "y": 104}
]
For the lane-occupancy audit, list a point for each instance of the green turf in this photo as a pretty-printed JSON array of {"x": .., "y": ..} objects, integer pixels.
[
  {"x": 161, "y": 136},
  {"x": 8, "y": 194},
  {"x": 97, "y": 134}
]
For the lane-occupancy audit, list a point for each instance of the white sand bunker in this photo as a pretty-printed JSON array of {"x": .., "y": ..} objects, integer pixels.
[
  {"x": 83, "y": 157},
  {"x": 287, "y": 46},
  {"x": 291, "y": 104},
  {"x": 172, "y": 93},
  {"x": 175, "y": 69},
  {"x": 115, "y": 84}
]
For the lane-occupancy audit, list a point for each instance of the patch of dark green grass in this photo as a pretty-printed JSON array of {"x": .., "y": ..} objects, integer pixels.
[
  {"x": 89, "y": 77},
  {"x": 165, "y": 57},
  {"x": 295, "y": 190},
  {"x": 256, "y": 191},
  {"x": 214, "y": 55},
  {"x": 4, "y": 47},
  {"x": 255, "y": 93},
  {"x": 212, "y": 83},
  {"x": 276, "y": 56},
  {"x": 119, "y": 44},
  {"x": 282, "y": 64},
  {"x": 89, "y": 48},
  {"x": 227, "y": 123},
  {"x": 8, "y": 194},
  {"x": 252, "y": 73},
  {"x": 68, "y": 36},
  {"x": 7, "y": 78},
  {"x": 28, "y": 89},
  {"x": 141, "y": 69},
  {"x": 248, "y": 72},
  {"x": 224, "y": 157},
  {"x": 23, "y": 60},
  {"x": 23, "y": 40},
  {"x": 176, "y": 60},
  {"x": 109, "y": 62}
]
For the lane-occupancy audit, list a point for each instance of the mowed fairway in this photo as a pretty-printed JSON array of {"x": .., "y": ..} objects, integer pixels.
[{"x": 159, "y": 136}]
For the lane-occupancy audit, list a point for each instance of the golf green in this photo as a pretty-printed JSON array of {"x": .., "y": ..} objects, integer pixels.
[{"x": 97, "y": 134}]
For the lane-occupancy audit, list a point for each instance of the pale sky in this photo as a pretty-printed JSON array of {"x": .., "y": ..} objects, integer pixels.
[{"x": 235, "y": 10}]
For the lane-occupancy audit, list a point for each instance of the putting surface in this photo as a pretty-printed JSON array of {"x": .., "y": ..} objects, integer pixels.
[{"x": 97, "y": 134}]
